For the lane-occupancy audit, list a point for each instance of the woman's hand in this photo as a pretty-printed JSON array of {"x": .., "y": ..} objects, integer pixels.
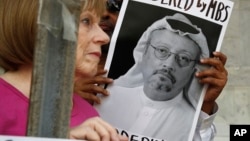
[{"x": 96, "y": 129}]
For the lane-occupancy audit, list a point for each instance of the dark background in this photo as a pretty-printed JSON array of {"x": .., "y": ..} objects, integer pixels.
[{"x": 137, "y": 18}]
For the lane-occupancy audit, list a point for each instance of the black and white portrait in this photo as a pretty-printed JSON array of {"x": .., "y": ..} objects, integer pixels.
[{"x": 156, "y": 55}]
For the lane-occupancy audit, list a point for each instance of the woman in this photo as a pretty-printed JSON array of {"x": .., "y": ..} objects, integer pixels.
[{"x": 17, "y": 41}]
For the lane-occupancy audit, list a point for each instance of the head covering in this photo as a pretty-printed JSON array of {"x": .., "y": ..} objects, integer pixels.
[{"x": 133, "y": 77}]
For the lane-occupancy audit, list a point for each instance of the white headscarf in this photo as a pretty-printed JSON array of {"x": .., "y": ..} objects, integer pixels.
[{"x": 134, "y": 78}]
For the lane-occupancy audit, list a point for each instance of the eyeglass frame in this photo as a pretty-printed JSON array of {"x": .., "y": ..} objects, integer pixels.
[{"x": 169, "y": 53}]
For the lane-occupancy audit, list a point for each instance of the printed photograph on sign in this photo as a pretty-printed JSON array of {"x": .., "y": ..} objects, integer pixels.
[{"x": 154, "y": 53}]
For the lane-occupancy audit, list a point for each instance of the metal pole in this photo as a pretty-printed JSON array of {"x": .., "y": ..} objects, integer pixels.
[{"x": 52, "y": 81}]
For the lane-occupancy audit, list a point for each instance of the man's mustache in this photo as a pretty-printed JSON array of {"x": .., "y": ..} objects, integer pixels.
[{"x": 167, "y": 73}]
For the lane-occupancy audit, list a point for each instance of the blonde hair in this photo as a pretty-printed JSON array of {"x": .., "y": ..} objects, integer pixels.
[
  {"x": 98, "y": 6},
  {"x": 18, "y": 29}
]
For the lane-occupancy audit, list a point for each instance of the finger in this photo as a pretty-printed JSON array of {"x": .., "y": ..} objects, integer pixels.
[
  {"x": 92, "y": 88},
  {"x": 89, "y": 91},
  {"x": 212, "y": 72},
  {"x": 101, "y": 72},
  {"x": 84, "y": 133},
  {"x": 104, "y": 130},
  {"x": 100, "y": 80},
  {"x": 98, "y": 131},
  {"x": 91, "y": 97},
  {"x": 213, "y": 81},
  {"x": 221, "y": 56},
  {"x": 123, "y": 138},
  {"x": 85, "y": 84},
  {"x": 112, "y": 131},
  {"x": 88, "y": 95},
  {"x": 214, "y": 62}
]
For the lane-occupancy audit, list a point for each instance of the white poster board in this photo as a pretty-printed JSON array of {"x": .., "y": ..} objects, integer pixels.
[{"x": 129, "y": 107}]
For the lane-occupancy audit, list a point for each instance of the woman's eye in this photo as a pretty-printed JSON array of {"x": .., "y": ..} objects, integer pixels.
[{"x": 86, "y": 21}]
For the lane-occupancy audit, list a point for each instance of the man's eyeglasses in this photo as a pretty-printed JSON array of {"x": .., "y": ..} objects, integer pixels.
[
  {"x": 162, "y": 53},
  {"x": 114, "y": 5}
]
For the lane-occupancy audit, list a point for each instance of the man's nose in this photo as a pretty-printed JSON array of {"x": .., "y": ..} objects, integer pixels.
[
  {"x": 170, "y": 62},
  {"x": 105, "y": 15}
]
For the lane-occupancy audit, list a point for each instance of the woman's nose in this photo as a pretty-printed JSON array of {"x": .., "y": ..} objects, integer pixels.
[{"x": 101, "y": 36}]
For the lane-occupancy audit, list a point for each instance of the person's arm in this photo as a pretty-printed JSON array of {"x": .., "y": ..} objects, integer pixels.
[
  {"x": 205, "y": 130},
  {"x": 95, "y": 129}
]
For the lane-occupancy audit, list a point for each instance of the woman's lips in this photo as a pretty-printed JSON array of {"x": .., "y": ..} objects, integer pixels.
[{"x": 97, "y": 54}]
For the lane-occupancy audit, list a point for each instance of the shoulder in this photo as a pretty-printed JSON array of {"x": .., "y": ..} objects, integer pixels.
[
  {"x": 81, "y": 111},
  {"x": 81, "y": 104}
]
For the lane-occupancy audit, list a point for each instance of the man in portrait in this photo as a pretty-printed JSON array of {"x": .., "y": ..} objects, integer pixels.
[{"x": 159, "y": 94}]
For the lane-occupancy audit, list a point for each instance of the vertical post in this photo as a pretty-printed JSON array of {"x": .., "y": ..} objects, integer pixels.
[{"x": 52, "y": 80}]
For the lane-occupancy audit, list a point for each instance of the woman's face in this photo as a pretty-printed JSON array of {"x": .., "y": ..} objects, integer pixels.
[{"x": 90, "y": 39}]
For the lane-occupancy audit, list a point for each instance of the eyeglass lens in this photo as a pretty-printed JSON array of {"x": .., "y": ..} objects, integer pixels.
[{"x": 163, "y": 53}]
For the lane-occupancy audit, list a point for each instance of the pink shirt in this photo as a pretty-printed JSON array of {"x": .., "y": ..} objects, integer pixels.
[{"x": 14, "y": 110}]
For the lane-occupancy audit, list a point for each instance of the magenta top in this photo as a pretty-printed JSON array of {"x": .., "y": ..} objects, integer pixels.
[{"x": 14, "y": 110}]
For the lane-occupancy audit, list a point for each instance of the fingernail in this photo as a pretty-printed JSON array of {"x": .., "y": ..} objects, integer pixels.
[
  {"x": 107, "y": 92},
  {"x": 197, "y": 73}
]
